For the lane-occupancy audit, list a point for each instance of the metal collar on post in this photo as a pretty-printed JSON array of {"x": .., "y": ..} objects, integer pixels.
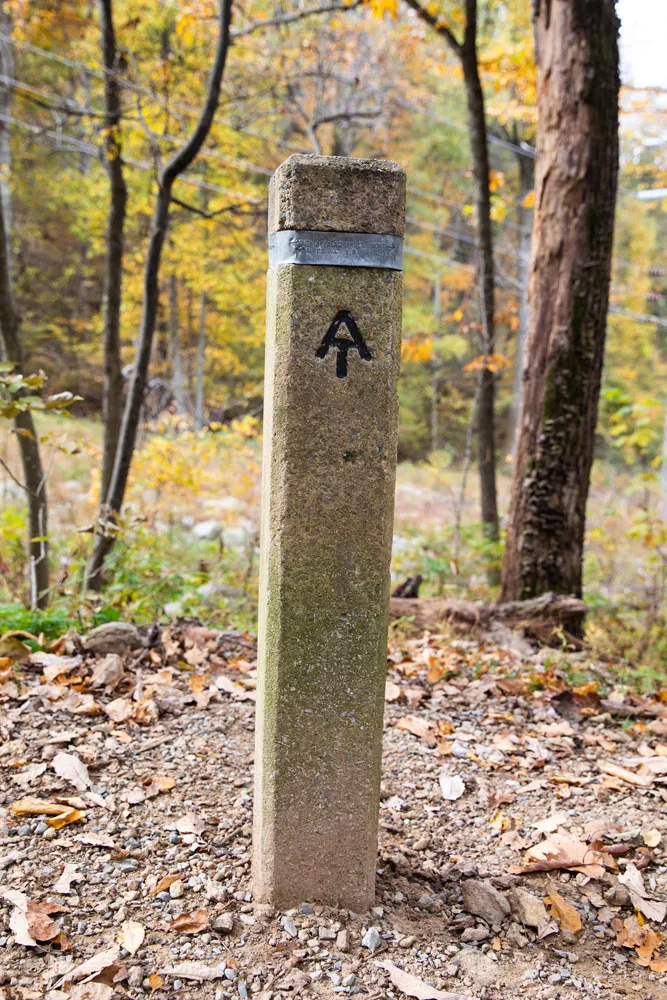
[{"x": 292, "y": 246}]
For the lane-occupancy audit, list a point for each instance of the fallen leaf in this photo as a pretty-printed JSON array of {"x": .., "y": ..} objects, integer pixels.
[
  {"x": 119, "y": 710},
  {"x": 164, "y": 883},
  {"x": 650, "y": 908},
  {"x": 191, "y": 923},
  {"x": 159, "y": 783},
  {"x": 28, "y": 775},
  {"x": 97, "y": 840},
  {"x": 196, "y": 970},
  {"x": 195, "y": 657},
  {"x": 237, "y": 691},
  {"x": 188, "y": 824},
  {"x": 68, "y": 876},
  {"x": 91, "y": 991},
  {"x": 567, "y": 914},
  {"x": 62, "y": 814},
  {"x": 55, "y": 666},
  {"x": 13, "y": 649},
  {"x": 551, "y": 823},
  {"x": 108, "y": 673},
  {"x": 616, "y": 771},
  {"x": 155, "y": 982},
  {"x": 198, "y": 682},
  {"x": 658, "y": 965},
  {"x": 72, "y": 769},
  {"x": 417, "y": 727},
  {"x": 131, "y": 936},
  {"x": 98, "y": 962},
  {"x": 392, "y": 691},
  {"x": 561, "y": 851},
  {"x": 452, "y": 786},
  {"x": 414, "y": 987}
]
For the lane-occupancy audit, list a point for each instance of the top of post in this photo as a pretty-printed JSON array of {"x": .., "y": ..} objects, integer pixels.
[{"x": 337, "y": 194}]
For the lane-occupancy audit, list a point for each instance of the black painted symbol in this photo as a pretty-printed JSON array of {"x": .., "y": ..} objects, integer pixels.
[{"x": 352, "y": 340}]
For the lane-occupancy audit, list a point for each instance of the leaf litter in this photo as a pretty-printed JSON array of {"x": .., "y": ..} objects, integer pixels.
[{"x": 531, "y": 805}]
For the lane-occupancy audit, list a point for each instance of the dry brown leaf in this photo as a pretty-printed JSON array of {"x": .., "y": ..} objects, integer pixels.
[
  {"x": 72, "y": 769},
  {"x": 102, "y": 960},
  {"x": 11, "y": 648},
  {"x": 131, "y": 936},
  {"x": 191, "y": 923},
  {"x": 196, "y": 970},
  {"x": 119, "y": 710},
  {"x": 198, "y": 682},
  {"x": 164, "y": 883},
  {"x": 417, "y": 726},
  {"x": 658, "y": 965},
  {"x": 69, "y": 874},
  {"x": 616, "y": 771},
  {"x": 567, "y": 914},
  {"x": 159, "y": 783},
  {"x": 237, "y": 691},
  {"x": 28, "y": 775},
  {"x": 392, "y": 691},
  {"x": 642, "y": 938},
  {"x": 108, "y": 673},
  {"x": 91, "y": 991},
  {"x": 195, "y": 657},
  {"x": 79, "y": 704},
  {"x": 145, "y": 712},
  {"x": 561, "y": 851},
  {"x": 97, "y": 840},
  {"x": 414, "y": 987},
  {"x": 155, "y": 982},
  {"x": 62, "y": 814},
  {"x": 188, "y": 824},
  {"x": 551, "y": 823},
  {"x": 650, "y": 908},
  {"x": 55, "y": 666}
]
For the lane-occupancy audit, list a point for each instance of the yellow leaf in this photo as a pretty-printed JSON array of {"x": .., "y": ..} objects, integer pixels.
[
  {"x": 567, "y": 915},
  {"x": 529, "y": 200}
]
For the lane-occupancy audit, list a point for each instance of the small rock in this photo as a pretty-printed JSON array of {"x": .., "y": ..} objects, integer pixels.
[
  {"x": 50, "y": 834},
  {"x": 350, "y": 980},
  {"x": 135, "y": 976},
  {"x": 475, "y": 934},
  {"x": 371, "y": 939},
  {"x": 327, "y": 934},
  {"x": 176, "y": 889},
  {"x": 421, "y": 844},
  {"x": 618, "y": 895},
  {"x": 306, "y": 908},
  {"x": 482, "y": 899},
  {"x": 41, "y": 828},
  {"x": 288, "y": 926},
  {"x": 343, "y": 940},
  {"x": 224, "y": 923},
  {"x": 527, "y": 908},
  {"x": 479, "y": 967},
  {"x": 112, "y": 637},
  {"x": 407, "y": 942},
  {"x": 516, "y": 937}
]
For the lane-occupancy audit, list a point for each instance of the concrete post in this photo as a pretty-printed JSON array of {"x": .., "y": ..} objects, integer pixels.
[{"x": 330, "y": 429}]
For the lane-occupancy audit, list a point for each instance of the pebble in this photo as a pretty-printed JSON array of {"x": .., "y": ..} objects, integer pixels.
[
  {"x": 25, "y": 831},
  {"x": 371, "y": 939},
  {"x": 288, "y": 926},
  {"x": 41, "y": 828}
]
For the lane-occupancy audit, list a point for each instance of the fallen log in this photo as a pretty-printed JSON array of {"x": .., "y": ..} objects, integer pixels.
[{"x": 539, "y": 617}]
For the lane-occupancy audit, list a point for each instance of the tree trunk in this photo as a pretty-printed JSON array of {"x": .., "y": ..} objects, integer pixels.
[
  {"x": 177, "y": 380},
  {"x": 112, "y": 400},
  {"x": 576, "y": 43},
  {"x": 201, "y": 349},
  {"x": 128, "y": 435},
  {"x": 485, "y": 274},
  {"x": 525, "y": 221},
  {"x": 34, "y": 480},
  {"x": 435, "y": 374}
]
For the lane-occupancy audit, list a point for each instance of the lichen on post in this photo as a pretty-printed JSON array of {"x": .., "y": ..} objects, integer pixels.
[{"x": 330, "y": 431}]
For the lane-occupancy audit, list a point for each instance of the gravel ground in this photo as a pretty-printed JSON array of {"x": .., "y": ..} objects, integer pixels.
[{"x": 141, "y": 745}]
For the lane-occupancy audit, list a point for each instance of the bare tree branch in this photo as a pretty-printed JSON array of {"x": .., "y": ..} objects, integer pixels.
[
  {"x": 281, "y": 19},
  {"x": 437, "y": 24}
]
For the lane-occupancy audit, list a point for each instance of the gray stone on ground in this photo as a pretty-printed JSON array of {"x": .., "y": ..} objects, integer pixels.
[
  {"x": 113, "y": 637},
  {"x": 371, "y": 939},
  {"x": 483, "y": 900},
  {"x": 481, "y": 969},
  {"x": 527, "y": 908}
]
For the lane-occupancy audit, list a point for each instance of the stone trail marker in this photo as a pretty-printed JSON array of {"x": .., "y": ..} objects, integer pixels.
[{"x": 330, "y": 429}]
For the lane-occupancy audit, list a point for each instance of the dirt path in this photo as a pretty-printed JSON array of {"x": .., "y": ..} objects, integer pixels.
[{"x": 159, "y": 858}]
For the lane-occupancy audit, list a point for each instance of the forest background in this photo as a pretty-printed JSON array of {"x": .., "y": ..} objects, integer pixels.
[{"x": 361, "y": 79}]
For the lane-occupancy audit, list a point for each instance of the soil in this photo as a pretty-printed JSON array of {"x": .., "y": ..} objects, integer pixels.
[{"x": 162, "y": 831}]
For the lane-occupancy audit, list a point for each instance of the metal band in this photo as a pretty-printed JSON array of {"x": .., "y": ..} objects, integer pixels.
[{"x": 305, "y": 246}]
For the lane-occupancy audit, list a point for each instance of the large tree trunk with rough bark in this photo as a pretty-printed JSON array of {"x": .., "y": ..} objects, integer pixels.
[
  {"x": 112, "y": 400},
  {"x": 577, "y": 162},
  {"x": 525, "y": 219},
  {"x": 34, "y": 480}
]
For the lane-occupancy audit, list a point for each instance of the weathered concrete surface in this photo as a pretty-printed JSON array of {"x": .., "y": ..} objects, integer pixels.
[
  {"x": 327, "y": 511},
  {"x": 337, "y": 194}
]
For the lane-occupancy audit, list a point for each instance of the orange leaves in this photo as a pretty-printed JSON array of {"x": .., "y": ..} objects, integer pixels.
[
  {"x": 633, "y": 933},
  {"x": 417, "y": 349},
  {"x": 566, "y": 914},
  {"x": 494, "y": 363}
]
